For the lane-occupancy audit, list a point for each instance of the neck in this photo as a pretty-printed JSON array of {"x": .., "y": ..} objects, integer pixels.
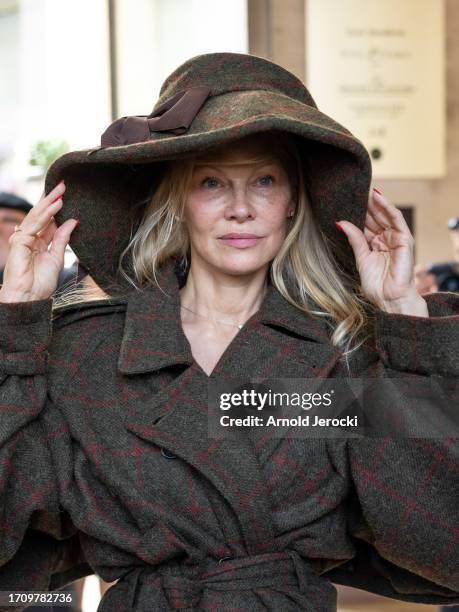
[{"x": 220, "y": 296}]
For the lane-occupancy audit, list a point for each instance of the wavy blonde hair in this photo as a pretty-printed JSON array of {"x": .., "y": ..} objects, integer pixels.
[{"x": 304, "y": 270}]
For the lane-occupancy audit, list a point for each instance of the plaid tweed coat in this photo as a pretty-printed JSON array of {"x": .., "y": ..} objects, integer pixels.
[{"x": 105, "y": 466}]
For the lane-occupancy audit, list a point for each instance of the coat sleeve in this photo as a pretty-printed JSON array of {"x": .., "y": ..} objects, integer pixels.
[
  {"x": 39, "y": 545},
  {"x": 404, "y": 510},
  {"x": 422, "y": 345}
]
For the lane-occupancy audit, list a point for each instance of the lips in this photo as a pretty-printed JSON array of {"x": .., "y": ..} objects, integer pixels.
[
  {"x": 240, "y": 240},
  {"x": 236, "y": 235}
]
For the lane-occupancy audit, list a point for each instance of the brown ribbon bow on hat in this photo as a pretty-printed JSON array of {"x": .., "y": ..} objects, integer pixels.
[{"x": 175, "y": 115}]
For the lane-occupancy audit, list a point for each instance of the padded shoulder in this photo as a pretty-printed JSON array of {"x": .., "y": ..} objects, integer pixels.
[
  {"x": 65, "y": 315},
  {"x": 78, "y": 330}
]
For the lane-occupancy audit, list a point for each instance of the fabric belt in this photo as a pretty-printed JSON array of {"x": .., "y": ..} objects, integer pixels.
[{"x": 165, "y": 587}]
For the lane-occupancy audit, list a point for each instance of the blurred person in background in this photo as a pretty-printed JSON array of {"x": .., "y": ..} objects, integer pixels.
[
  {"x": 13, "y": 209},
  {"x": 442, "y": 276}
]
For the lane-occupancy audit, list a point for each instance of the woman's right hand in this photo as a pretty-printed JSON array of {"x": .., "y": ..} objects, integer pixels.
[{"x": 31, "y": 270}]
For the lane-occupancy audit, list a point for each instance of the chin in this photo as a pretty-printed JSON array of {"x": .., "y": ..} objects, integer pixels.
[
  {"x": 240, "y": 265},
  {"x": 238, "y": 271}
]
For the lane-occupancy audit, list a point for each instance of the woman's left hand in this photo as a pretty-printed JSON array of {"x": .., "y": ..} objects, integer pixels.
[{"x": 385, "y": 259}]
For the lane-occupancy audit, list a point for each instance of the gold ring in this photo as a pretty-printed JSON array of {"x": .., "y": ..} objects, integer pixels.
[{"x": 19, "y": 229}]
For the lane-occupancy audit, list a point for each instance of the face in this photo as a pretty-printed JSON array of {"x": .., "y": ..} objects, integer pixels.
[
  {"x": 236, "y": 215},
  {"x": 8, "y": 219}
]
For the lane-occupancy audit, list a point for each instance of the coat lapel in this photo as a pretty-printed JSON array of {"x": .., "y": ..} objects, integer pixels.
[
  {"x": 277, "y": 342},
  {"x": 153, "y": 337}
]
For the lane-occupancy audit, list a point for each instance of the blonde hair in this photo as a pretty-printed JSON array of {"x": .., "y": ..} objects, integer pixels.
[{"x": 304, "y": 270}]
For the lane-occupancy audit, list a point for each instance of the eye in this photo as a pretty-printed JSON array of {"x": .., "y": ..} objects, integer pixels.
[
  {"x": 266, "y": 181},
  {"x": 211, "y": 182}
]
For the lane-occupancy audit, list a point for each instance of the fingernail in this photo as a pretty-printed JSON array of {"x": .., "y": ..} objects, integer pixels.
[
  {"x": 339, "y": 227},
  {"x": 377, "y": 190}
]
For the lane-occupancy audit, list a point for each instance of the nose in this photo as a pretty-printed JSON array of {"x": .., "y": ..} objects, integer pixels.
[{"x": 238, "y": 206}]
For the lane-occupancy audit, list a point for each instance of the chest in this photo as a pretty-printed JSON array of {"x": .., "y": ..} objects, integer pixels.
[
  {"x": 142, "y": 455},
  {"x": 208, "y": 343},
  {"x": 138, "y": 422}
]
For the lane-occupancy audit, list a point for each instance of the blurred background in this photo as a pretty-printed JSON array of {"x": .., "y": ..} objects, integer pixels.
[{"x": 387, "y": 69}]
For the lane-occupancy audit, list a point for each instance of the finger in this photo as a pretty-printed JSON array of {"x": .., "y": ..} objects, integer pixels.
[
  {"x": 397, "y": 227},
  {"x": 369, "y": 234},
  {"x": 377, "y": 225},
  {"x": 48, "y": 232},
  {"x": 56, "y": 192},
  {"x": 37, "y": 218},
  {"x": 61, "y": 238},
  {"x": 391, "y": 213},
  {"x": 380, "y": 217},
  {"x": 46, "y": 200},
  {"x": 371, "y": 222},
  {"x": 32, "y": 224},
  {"x": 356, "y": 239},
  {"x": 21, "y": 239}
]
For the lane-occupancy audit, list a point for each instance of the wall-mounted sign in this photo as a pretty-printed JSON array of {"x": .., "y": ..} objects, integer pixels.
[{"x": 378, "y": 68}]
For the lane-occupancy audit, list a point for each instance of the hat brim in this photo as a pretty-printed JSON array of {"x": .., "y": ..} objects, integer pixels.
[{"x": 105, "y": 186}]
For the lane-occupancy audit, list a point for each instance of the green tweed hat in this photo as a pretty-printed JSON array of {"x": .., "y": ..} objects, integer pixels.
[{"x": 210, "y": 100}]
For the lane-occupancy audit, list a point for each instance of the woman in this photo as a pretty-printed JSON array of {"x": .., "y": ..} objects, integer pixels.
[{"x": 106, "y": 465}]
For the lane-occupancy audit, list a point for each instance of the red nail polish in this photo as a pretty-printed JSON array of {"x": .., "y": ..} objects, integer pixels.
[
  {"x": 377, "y": 190},
  {"x": 339, "y": 227}
]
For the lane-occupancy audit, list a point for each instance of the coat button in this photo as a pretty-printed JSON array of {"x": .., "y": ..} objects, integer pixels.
[{"x": 167, "y": 454}]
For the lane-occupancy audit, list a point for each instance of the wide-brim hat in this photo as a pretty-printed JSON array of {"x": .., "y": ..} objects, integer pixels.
[{"x": 210, "y": 100}]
